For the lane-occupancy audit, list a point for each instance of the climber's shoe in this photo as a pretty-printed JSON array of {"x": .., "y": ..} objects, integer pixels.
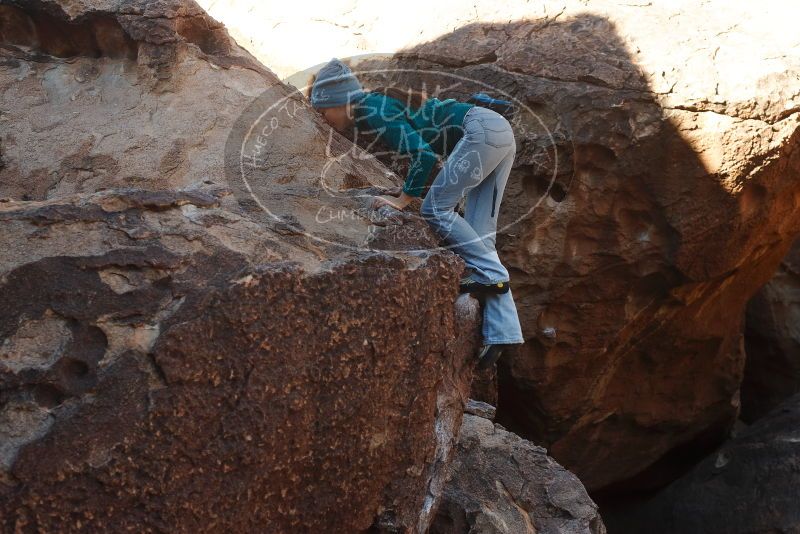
[
  {"x": 468, "y": 285},
  {"x": 488, "y": 355}
]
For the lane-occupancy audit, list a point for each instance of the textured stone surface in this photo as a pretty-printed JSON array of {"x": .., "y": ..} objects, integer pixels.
[
  {"x": 750, "y": 484},
  {"x": 501, "y": 483},
  {"x": 484, "y": 384},
  {"x": 661, "y": 168},
  {"x": 166, "y": 365},
  {"x": 157, "y": 118},
  {"x": 772, "y": 340},
  {"x": 173, "y": 357},
  {"x": 480, "y": 408}
]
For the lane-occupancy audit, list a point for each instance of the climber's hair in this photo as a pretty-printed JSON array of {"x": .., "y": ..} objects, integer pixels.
[{"x": 310, "y": 85}]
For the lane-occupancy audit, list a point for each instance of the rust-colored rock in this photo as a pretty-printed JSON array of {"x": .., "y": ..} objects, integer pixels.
[
  {"x": 651, "y": 197},
  {"x": 772, "y": 341},
  {"x": 174, "y": 357},
  {"x": 158, "y": 371}
]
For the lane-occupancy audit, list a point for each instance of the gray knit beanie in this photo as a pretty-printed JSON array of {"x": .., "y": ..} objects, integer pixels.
[{"x": 335, "y": 85}]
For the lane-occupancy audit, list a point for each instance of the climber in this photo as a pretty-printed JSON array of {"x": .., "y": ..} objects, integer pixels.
[{"x": 478, "y": 146}]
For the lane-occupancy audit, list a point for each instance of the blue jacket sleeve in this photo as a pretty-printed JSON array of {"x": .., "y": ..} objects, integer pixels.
[{"x": 401, "y": 136}]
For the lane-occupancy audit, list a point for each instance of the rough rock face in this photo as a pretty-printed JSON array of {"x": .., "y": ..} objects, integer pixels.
[
  {"x": 167, "y": 365},
  {"x": 501, "y": 483},
  {"x": 159, "y": 116},
  {"x": 772, "y": 340},
  {"x": 655, "y": 190},
  {"x": 750, "y": 484},
  {"x": 658, "y": 151},
  {"x": 186, "y": 347}
]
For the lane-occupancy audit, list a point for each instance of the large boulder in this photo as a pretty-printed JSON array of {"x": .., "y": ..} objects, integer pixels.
[
  {"x": 772, "y": 340},
  {"x": 750, "y": 484},
  {"x": 655, "y": 190},
  {"x": 503, "y": 484},
  {"x": 184, "y": 346},
  {"x": 165, "y": 364}
]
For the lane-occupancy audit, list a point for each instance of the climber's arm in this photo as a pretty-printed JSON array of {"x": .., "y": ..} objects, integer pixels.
[
  {"x": 398, "y": 202},
  {"x": 401, "y": 136}
]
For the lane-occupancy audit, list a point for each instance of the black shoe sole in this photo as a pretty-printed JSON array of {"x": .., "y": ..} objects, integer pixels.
[
  {"x": 488, "y": 359},
  {"x": 486, "y": 289}
]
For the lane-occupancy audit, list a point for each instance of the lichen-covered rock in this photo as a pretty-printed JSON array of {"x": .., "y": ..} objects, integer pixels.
[
  {"x": 165, "y": 364},
  {"x": 503, "y": 484},
  {"x": 185, "y": 346},
  {"x": 750, "y": 484},
  {"x": 772, "y": 340}
]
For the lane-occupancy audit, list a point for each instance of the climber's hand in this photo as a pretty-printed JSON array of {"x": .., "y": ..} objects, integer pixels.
[
  {"x": 397, "y": 203},
  {"x": 392, "y": 191}
]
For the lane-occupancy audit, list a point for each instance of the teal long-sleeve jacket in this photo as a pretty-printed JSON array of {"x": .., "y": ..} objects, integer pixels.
[{"x": 422, "y": 133}]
